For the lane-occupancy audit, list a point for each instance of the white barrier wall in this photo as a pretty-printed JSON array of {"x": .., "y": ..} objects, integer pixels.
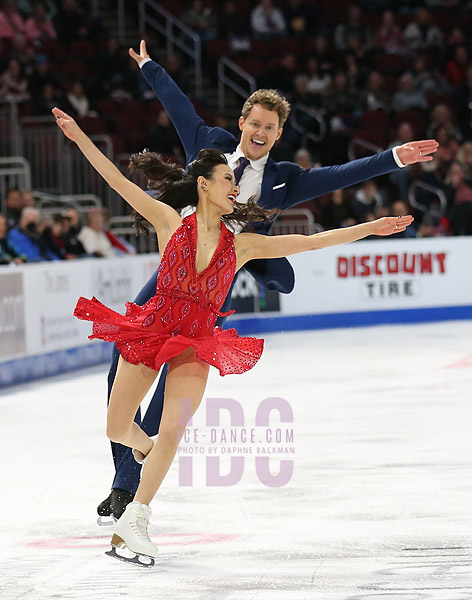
[
  {"x": 37, "y": 303},
  {"x": 387, "y": 274},
  {"x": 376, "y": 281}
]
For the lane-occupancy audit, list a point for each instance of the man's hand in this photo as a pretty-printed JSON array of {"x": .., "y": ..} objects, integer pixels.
[
  {"x": 142, "y": 53},
  {"x": 414, "y": 152}
]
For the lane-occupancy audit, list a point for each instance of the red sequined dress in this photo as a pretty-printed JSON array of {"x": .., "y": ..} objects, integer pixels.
[{"x": 183, "y": 312}]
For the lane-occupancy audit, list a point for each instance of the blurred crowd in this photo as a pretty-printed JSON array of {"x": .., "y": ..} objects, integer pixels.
[
  {"x": 376, "y": 70},
  {"x": 30, "y": 235}
]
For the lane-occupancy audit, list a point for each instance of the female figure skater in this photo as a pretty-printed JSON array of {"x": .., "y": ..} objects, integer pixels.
[{"x": 176, "y": 326}]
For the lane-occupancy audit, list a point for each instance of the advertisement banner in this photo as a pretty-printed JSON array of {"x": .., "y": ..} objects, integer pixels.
[
  {"x": 381, "y": 275},
  {"x": 12, "y": 315},
  {"x": 38, "y": 300}
]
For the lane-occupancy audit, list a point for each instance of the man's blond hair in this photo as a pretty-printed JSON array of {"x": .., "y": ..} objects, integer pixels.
[{"x": 269, "y": 99}]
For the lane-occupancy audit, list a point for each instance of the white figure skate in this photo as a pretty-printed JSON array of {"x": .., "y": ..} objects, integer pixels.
[{"x": 131, "y": 533}]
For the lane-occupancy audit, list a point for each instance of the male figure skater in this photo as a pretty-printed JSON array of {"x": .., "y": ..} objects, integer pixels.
[{"x": 276, "y": 185}]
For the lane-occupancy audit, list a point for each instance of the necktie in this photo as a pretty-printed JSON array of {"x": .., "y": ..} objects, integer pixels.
[{"x": 243, "y": 163}]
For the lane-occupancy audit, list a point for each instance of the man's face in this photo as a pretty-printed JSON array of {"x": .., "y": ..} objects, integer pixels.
[{"x": 260, "y": 130}]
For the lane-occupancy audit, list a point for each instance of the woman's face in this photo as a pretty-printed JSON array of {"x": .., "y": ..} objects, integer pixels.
[{"x": 221, "y": 189}]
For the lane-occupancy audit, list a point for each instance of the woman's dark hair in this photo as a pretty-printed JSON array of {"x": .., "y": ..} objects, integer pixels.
[{"x": 178, "y": 188}]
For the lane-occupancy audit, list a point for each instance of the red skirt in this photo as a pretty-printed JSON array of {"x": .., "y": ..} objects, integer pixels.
[{"x": 223, "y": 348}]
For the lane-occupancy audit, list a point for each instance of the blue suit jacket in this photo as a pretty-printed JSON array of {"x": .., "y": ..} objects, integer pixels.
[{"x": 284, "y": 184}]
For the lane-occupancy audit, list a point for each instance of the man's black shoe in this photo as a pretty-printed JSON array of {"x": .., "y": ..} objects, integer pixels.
[
  {"x": 119, "y": 501},
  {"x": 104, "y": 508}
]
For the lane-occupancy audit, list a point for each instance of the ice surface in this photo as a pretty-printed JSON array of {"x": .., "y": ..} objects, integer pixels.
[{"x": 378, "y": 507}]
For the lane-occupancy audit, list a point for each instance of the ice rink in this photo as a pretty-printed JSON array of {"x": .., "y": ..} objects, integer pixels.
[{"x": 378, "y": 506}]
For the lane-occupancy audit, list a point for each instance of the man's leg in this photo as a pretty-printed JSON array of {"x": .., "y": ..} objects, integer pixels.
[{"x": 127, "y": 470}]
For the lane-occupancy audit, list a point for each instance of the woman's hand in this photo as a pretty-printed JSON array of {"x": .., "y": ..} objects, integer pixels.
[
  {"x": 389, "y": 225},
  {"x": 69, "y": 127}
]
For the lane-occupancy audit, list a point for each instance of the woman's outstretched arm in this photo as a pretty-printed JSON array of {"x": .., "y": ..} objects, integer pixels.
[
  {"x": 251, "y": 245},
  {"x": 162, "y": 216}
]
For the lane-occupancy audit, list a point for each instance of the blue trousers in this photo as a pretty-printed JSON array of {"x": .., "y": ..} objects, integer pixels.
[{"x": 273, "y": 274}]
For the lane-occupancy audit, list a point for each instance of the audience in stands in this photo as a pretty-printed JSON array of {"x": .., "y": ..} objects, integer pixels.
[
  {"x": 26, "y": 238},
  {"x": 8, "y": 254},
  {"x": 14, "y": 205},
  {"x": 386, "y": 72},
  {"x": 93, "y": 236},
  {"x": 11, "y": 21},
  {"x": 267, "y": 21},
  {"x": 39, "y": 27},
  {"x": 13, "y": 83}
]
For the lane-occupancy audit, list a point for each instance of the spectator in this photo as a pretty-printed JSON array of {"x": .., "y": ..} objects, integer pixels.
[
  {"x": 460, "y": 193},
  {"x": 70, "y": 22},
  {"x": 351, "y": 27},
  {"x": 14, "y": 205},
  {"x": 341, "y": 101},
  {"x": 367, "y": 199},
  {"x": 301, "y": 95},
  {"x": 299, "y": 17},
  {"x": 374, "y": 95},
  {"x": 389, "y": 36},
  {"x": 323, "y": 54},
  {"x": 457, "y": 67},
  {"x": 403, "y": 177},
  {"x": 337, "y": 211},
  {"x": 27, "y": 199},
  {"x": 40, "y": 76},
  {"x": 407, "y": 96},
  {"x": 51, "y": 230},
  {"x": 447, "y": 151},
  {"x": 201, "y": 20},
  {"x": 93, "y": 237},
  {"x": 303, "y": 158},
  {"x": 13, "y": 83},
  {"x": 400, "y": 208},
  {"x": 318, "y": 82},
  {"x": 233, "y": 23},
  {"x": 23, "y": 51},
  {"x": 283, "y": 75},
  {"x": 26, "y": 239},
  {"x": 73, "y": 246},
  {"x": 11, "y": 22},
  {"x": 163, "y": 137},
  {"x": 421, "y": 34},
  {"x": 427, "y": 79},
  {"x": 78, "y": 99},
  {"x": 39, "y": 28},
  {"x": 173, "y": 65},
  {"x": 457, "y": 189},
  {"x": 267, "y": 21},
  {"x": 464, "y": 157},
  {"x": 7, "y": 253},
  {"x": 442, "y": 115},
  {"x": 47, "y": 100}
]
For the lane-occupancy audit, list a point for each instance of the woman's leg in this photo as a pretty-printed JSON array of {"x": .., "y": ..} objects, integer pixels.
[
  {"x": 131, "y": 384},
  {"x": 185, "y": 384}
]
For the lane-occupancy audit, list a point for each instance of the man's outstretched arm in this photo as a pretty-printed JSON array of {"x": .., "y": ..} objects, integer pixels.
[
  {"x": 191, "y": 128},
  {"x": 312, "y": 183}
]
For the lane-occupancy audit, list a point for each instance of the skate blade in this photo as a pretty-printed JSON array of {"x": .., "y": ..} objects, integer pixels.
[
  {"x": 138, "y": 559},
  {"x": 106, "y": 521}
]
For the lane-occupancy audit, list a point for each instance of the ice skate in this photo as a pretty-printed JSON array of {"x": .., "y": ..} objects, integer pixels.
[
  {"x": 131, "y": 534},
  {"x": 111, "y": 509},
  {"x": 139, "y": 456}
]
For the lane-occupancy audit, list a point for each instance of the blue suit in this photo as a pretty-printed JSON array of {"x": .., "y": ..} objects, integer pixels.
[{"x": 284, "y": 185}]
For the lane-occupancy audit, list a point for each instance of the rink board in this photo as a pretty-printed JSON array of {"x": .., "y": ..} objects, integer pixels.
[{"x": 382, "y": 281}]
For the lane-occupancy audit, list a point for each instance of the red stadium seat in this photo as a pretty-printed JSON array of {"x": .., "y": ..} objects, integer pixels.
[
  {"x": 390, "y": 63},
  {"x": 253, "y": 66},
  {"x": 415, "y": 117},
  {"x": 375, "y": 119},
  {"x": 92, "y": 125}
]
